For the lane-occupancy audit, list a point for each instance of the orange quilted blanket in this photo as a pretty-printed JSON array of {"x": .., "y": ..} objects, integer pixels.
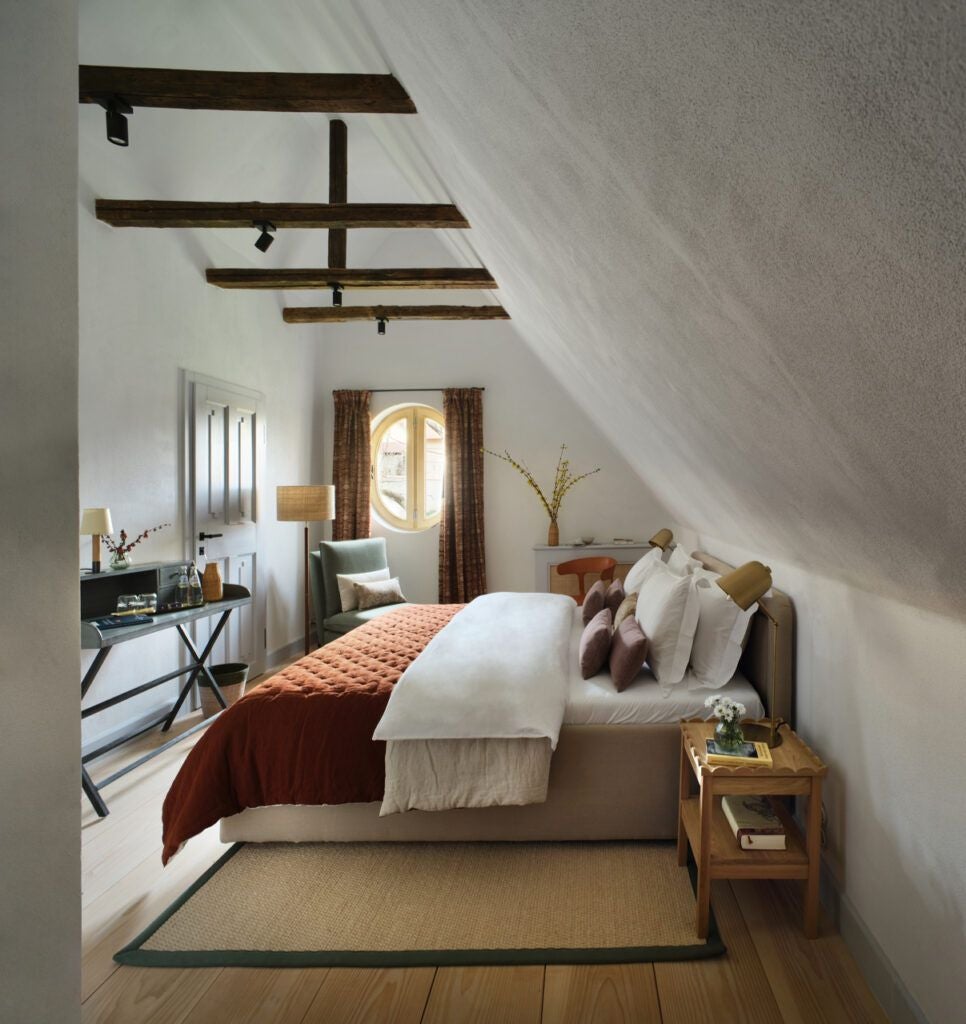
[{"x": 304, "y": 736}]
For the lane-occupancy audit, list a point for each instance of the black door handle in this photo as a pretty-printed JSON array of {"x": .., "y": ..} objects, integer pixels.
[{"x": 208, "y": 536}]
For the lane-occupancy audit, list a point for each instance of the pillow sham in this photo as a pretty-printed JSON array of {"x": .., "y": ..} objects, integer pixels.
[
  {"x": 628, "y": 652},
  {"x": 614, "y": 596},
  {"x": 681, "y": 563},
  {"x": 345, "y": 581},
  {"x": 378, "y": 593},
  {"x": 720, "y": 635},
  {"x": 594, "y": 600},
  {"x": 641, "y": 569},
  {"x": 595, "y": 643},
  {"x": 667, "y": 611},
  {"x": 627, "y": 607}
]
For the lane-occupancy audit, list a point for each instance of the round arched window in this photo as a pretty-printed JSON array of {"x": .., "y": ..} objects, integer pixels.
[{"x": 407, "y": 466}]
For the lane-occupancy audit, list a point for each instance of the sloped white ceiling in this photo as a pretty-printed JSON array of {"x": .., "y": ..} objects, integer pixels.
[{"x": 737, "y": 233}]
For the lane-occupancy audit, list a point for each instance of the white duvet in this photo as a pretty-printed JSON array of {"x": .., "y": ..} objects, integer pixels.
[{"x": 497, "y": 675}]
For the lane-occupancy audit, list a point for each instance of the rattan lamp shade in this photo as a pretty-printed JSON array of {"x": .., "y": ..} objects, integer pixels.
[{"x": 311, "y": 504}]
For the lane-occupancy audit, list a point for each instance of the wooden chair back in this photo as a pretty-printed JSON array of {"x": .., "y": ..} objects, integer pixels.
[{"x": 581, "y": 567}]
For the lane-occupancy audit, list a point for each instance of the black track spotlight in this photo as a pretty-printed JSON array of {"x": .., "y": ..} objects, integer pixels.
[
  {"x": 115, "y": 109},
  {"x": 337, "y": 294},
  {"x": 264, "y": 241},
  {"x": 381, "y": 321}
]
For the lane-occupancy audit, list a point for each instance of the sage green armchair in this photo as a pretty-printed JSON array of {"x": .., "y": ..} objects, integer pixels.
[{"x": 339, "y": 557}]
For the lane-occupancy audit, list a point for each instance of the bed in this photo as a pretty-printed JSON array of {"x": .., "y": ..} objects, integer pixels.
[{"x": 613, "y": 775}]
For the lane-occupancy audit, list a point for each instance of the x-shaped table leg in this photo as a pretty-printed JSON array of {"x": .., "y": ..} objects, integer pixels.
[{"x": 200, "y": 666}]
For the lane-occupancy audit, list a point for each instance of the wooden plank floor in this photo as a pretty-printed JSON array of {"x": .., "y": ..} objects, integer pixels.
[{"x": 770, "y": 973}]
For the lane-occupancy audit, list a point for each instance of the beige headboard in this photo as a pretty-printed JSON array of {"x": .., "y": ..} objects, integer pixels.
[{"x": 757, "y": 662}]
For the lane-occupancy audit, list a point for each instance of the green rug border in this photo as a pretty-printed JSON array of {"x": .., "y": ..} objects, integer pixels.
[{"x": 133, "y": 956}]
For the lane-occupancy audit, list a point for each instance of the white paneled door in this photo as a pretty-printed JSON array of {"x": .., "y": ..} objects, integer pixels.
[{"x": 224, "y": 455}]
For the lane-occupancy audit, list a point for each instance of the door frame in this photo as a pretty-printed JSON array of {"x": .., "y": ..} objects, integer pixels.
[{"x": 186, "y": 419}]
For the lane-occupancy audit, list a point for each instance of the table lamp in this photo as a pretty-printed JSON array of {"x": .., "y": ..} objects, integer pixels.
[
  {"x": 96, "y": 523},
  {"x": 746, "y": 585},
  {"x": 309, "y": 504}
]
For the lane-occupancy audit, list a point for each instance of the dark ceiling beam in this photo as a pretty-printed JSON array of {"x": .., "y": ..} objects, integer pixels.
[
  {"x": 347, "y": 314},
  {"x": 245, "y": 90},
  {"x": 338, "y": 187},
  {"x": 150, "y": 213},
  {"x": 327, "y": 277}
]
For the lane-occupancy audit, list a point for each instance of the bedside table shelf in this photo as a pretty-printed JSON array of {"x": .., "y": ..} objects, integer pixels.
[
  {"x": 729, "y": 860},
  {"x": 796, "y": 771}
]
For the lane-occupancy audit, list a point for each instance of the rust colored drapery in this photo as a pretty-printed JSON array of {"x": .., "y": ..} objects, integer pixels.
[
  {"x": 350, "y": 464},
  {"x": 462, "y": 561}
]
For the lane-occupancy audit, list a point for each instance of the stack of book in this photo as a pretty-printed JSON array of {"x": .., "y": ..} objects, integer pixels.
[
  {"x": 754, "y": 822},
  {"x": 746, "y": 754}
]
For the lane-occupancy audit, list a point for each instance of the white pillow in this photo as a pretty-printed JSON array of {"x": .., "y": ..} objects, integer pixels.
[
  {"x": 681, "y": 563},
  {"x": 641, "y": 569},
  {"x": 720, "y": 636},
  {"x": 667, "y": 610},
  {"x": 345, "y": 581}
]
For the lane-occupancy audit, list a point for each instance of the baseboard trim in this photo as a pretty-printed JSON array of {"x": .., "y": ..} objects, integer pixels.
[
  {"x": 876, "y": 968},
  {"x": 291, "y": 651}
]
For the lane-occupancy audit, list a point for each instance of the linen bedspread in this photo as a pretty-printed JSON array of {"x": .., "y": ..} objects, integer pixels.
[{"x": 304, "y": 736}]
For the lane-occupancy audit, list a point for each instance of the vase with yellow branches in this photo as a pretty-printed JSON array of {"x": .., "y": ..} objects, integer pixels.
[{"x": 563, "y": 481}]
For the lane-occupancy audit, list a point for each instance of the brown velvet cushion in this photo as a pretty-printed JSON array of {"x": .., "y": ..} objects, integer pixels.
[
  {"x": 627, "y": 607},
  {"x": 377, "y": 593},
  {"x": 628, "y": 651},
  {"x": 614, "y": 596},
  {"x": 594, "y": 600},
  {"x": 595, "y": 643}
]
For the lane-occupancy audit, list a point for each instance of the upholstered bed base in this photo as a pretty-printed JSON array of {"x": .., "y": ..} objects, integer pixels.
[{"x": 606, "y": 782}]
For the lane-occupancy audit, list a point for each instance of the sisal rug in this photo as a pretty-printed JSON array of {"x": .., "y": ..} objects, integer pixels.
[{"x": 406, "y": 904}]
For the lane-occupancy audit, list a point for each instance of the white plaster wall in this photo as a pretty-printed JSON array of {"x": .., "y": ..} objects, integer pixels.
[
  {"x": 145, "y": 313},
  {"x": 879, "y": 687},
  {"x": 39, "y": 632},
  {"x": 524, "y": 410}
]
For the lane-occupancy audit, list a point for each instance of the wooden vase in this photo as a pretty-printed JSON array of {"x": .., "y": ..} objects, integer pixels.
[
  {"x": 553, "y": 534},
  {"x": 211, "y": 586}
]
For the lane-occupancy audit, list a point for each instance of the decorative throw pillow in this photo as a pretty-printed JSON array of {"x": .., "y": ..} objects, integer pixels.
[
  {"x": 594, "y": 600},
  {"x": 614, "y": 596},
  {"x": 627, "y": 607},
  {"x": 595, "y": 643},
  {"x": 720, "y": 635},
  {"x": 378, "y": 593},
  {"x": 641, "y": 569},
  {"x": 681, "y": 563},
  {"x": 667, "y": 610},
  {"x": 345, "y": 581},
  {"x": 628, "y": 652}
]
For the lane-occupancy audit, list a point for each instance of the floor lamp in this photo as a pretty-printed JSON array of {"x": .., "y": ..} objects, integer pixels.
[{"x": 312, "y": 504}]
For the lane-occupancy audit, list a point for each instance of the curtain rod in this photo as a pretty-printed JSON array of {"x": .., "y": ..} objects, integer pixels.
[{"x": 396, "y": 391}]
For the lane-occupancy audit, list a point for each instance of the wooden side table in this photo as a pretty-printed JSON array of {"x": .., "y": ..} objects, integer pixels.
[{"x": 796, "y": 771}]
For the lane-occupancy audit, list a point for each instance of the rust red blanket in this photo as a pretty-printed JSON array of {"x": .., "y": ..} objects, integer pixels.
[{"x": 304, "y": 736}]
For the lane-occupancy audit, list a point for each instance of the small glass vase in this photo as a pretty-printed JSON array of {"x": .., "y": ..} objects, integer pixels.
[
  {"x": 121, "y": 562},
  {"x": 728, "y": 736}
]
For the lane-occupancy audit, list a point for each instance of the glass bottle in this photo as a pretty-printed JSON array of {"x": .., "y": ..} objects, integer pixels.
[
  {"x": 184, "y": 588},
  {"x": 195, "y": 595}
]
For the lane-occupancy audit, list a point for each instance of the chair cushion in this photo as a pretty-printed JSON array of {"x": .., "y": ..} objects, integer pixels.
[
  {"x": 348, "y": 556},
  {"x": 346, "y": 621}
]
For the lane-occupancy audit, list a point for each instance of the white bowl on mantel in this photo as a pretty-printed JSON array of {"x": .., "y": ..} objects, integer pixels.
[{"x": 587, "y": 540}]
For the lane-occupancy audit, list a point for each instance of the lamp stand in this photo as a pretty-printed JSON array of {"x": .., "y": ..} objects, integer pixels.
[
  {"x": 766, "y": 730},
  {"x": 95, "y": 552},
  {"x": 306, "y": 570}
]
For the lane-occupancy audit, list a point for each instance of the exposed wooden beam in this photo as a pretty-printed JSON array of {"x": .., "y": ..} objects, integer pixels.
[
  {"x": 326, "y": 277},
  {"x": 338, "y": 187},
  {"x": 246, "y": 90},
  {"x": 345, "y": 314},
  {"x": 150, "y": 213}
]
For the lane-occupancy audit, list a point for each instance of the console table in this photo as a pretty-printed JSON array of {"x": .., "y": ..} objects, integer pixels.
[{"x": 99, "y": 593}]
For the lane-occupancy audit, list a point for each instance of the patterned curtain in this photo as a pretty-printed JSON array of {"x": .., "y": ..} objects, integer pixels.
[
  {"x": 462, "y": 562},
  {"x": 350, "y": 464}
]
